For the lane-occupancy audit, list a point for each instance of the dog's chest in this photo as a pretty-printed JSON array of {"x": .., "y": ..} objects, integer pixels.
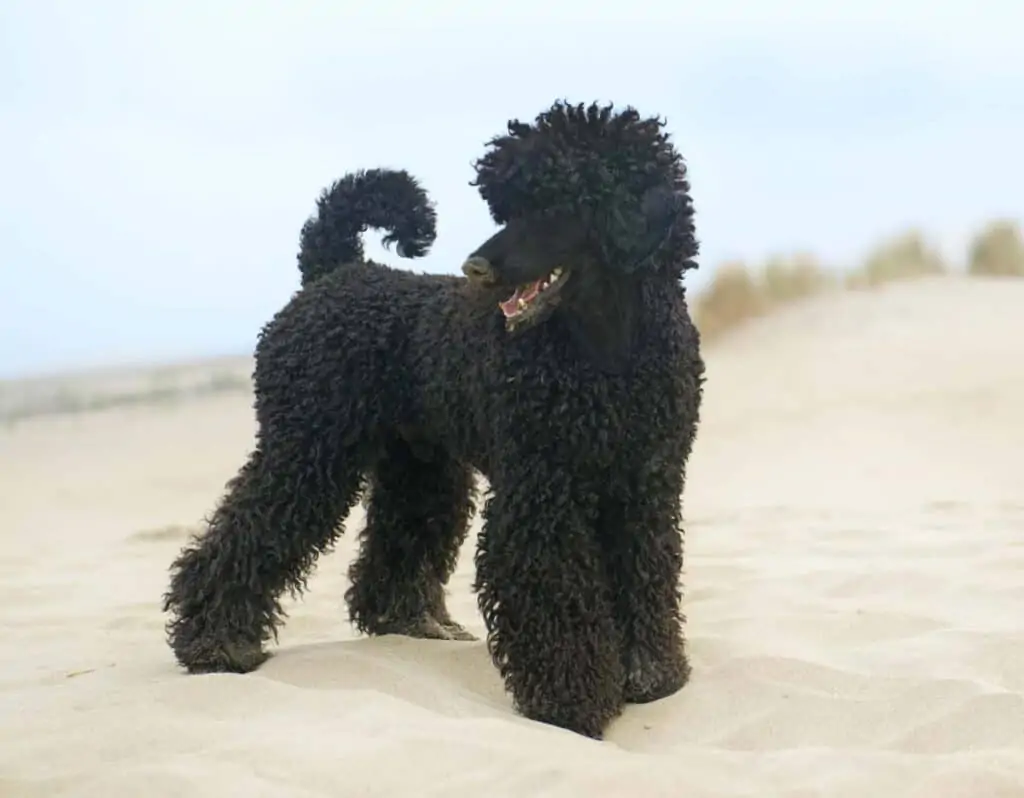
[{"x": 583, "y": 414}]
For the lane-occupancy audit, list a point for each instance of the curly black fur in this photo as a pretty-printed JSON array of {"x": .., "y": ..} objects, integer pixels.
[
  {"x": 581, "y": 411},
  {"x": 387, "y": 199}
]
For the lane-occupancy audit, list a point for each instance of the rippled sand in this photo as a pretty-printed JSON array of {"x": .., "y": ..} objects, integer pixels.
[{"x": 854, "y": 590}]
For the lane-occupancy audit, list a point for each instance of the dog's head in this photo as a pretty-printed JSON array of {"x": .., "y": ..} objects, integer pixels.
[{"x": 591, "y": 203}]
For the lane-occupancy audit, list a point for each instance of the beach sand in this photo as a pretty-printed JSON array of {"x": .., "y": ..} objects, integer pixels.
[{"x": 854, "y": 590}]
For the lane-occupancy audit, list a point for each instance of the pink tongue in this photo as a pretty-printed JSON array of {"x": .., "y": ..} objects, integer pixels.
[{"x": 510, "y": 307}]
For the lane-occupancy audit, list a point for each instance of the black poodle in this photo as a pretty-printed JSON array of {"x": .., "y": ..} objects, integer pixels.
[{"x": 565, "y": 369}]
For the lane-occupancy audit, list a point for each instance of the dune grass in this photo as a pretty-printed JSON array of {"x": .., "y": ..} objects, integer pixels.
[
  {"x": 997, "y": 251},
  {"x": 902, "y": 257},
  {"x": 738, "y": 293}
]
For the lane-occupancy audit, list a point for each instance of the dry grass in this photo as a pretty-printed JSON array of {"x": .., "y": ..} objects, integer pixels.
[
  {"x": 796, "y": 277},
  {"x": 902, "y": 257},
  {"x": 737, "y": 293},
  {"x": 997, "y": 251},
  {"x": 732, "y": 297}
]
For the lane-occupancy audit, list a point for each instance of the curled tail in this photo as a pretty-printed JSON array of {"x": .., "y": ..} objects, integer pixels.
[{"x": 388, "y": 199}]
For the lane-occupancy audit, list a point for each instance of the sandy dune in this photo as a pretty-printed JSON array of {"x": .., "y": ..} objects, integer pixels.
[{"x": 855, "y": 594}]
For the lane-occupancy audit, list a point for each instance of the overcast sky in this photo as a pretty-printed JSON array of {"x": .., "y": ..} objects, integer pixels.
[{"x": 158, "y": 158}]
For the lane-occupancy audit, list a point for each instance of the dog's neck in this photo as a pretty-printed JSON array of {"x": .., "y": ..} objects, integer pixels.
[
  {"x": 603, "y": 320},
  {"x": 610, "y": 319}
]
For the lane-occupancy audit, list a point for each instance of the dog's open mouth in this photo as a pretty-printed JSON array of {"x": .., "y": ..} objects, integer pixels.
[{"x": 529, "y": 298}]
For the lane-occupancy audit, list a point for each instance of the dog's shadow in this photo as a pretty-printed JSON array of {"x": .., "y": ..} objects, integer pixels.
[{"x": 451, "y": 678}]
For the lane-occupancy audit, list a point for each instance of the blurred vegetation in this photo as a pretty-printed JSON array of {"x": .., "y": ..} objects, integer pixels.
[
  {"x": 997, "y": 250},
  {"x": 738, "y": 293},
  {"x": 902, "y": 257}
]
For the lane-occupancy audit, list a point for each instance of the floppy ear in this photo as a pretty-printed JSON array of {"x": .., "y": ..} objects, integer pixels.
[{"x": 635, "y": 229}]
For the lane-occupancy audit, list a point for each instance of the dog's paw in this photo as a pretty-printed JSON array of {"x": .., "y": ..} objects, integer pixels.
[
  {"x": 650, "y": 679},
  {"x": 424, "y": 626},
  {"x": 588, "y": 719},
  {"x": 222, "y": 657},
  {"x": 457, "y": 631}
]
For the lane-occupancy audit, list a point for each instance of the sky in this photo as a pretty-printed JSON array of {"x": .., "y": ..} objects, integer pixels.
[{"x": 158, "y": 159}]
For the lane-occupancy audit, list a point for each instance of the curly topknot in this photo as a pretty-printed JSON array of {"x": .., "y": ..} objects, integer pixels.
[{"x": 592, "y": 161}]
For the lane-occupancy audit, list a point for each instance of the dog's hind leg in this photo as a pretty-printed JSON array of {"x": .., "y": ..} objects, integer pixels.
[
  {"x": 280, "y": 512},
  {"x": 420, "y": 503}
]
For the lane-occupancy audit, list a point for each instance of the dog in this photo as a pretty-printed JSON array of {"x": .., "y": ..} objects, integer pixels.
[{"x": 563, "y": 366}]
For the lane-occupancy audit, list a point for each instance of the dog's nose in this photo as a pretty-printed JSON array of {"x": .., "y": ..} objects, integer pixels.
[{"x": 480, "y": 270}]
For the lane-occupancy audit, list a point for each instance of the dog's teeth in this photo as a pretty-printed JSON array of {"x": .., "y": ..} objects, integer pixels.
[
  {"x": 522, "y": 304},
  {"x": 556, "y": 272}
]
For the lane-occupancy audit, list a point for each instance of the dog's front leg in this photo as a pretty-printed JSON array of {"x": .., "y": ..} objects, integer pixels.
[
  {"x": 643, "y": 542},
  {"x": 545, "y": 598}
]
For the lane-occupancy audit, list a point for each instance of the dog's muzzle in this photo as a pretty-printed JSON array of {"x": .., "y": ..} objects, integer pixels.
[{"x": 479, "y": 270}]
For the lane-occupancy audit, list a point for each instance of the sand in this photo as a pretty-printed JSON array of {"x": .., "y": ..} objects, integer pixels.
[{"x": 854, "y": 589}]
